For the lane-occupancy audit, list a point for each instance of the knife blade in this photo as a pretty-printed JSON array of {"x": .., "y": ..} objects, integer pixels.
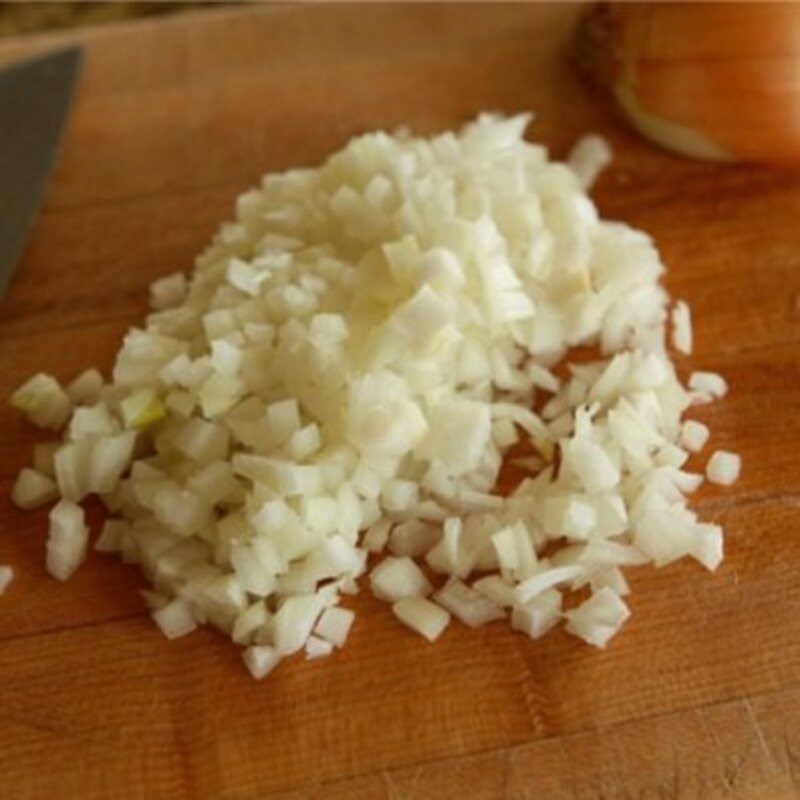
[{"x": 35, "y": 96}]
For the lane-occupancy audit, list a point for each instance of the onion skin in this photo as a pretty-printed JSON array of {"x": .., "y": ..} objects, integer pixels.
[{"x": 712, "y": 81}]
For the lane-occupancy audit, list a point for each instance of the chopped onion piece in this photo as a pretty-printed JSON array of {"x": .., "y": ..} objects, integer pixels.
[
  {"x": 260, "y": 660},
  {"x": 377, "y": 535},
  {"x": 613, "y": 553},
  {"x": 175, "y": 620},
  {"x": 412, "y": 538},
  {"x": 422, "y": 616},
  {"x": 588, "y": 158},
  {"x": 85, "y": 389},
  {"x": 87, "y": 421},
  {"x": 543, "y": 378},
  {"x": 694, "y": 435},
  {"x": 334, "y": 625},
  {"x": 110, "y": 458},
  {"x": 708, "y": 383},
  {"x": 535, "y": 585},
  {"x": 597, "y": 619},
  {"x": 42, "y": 400},
  {"x": 168, "y": 291},
  {"x": 72, "y": 464},
  {"x": 591, "y": 465},
  {"x": 304, "y": 442},
  {"x": 448, "y": 555},
  {"x": 496, "y": 589},
  {"x": 471, "y": 607},
  {"x": 460, "y": 430},
  {"x": 67, "y": 540},
  {"x": 253, "y": 575},
  {"x": 317, "y": 648},
  {"x": 399, "y": 496},
  {"x": 294, "y": 621},
  {"x": 246, "y": 278},
  {"x": 142, "y": 408},
  {"x": 610, "y": 578},
  {"x": 537, "y": 616},
  {"x": 708, "y": 547},
  {"x": 33, "y": 489},
  {"x": 723, "y": 468},
  {"x": 250, "y": 622},
  {"x": 395, "y": 578},
  {"x": 202, "y": 441},
  {"x": 682, "y": 328}
]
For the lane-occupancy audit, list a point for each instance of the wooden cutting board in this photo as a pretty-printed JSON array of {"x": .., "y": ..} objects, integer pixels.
[{"x": 698, "y": 697}]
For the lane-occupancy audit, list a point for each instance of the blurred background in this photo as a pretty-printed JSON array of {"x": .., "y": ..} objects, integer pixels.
[{"x": 23, "y": 17}]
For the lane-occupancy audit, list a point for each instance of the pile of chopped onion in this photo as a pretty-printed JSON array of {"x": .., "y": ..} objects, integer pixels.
[{"x": 344, "y": 373}]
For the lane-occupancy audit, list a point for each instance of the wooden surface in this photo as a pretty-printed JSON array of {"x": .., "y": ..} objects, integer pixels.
[{"x": 698, "y": 697}]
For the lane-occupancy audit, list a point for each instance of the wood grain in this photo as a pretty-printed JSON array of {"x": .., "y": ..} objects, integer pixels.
[{"x": 699, "y": 696}]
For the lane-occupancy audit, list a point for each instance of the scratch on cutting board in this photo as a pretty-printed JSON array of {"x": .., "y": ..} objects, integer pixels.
[
  {"x": 759, "y": 734},
  {"x": 534, "y": 695},
  {"x": 572, "y": 785},
  {"x": 792, "y": 760},
  {"x": 620, "y": 759},
  {"x": 732, "y": 764},
  {"x": 701, "y": 609},
  {"x": 723, "y": 504},
  {"x": 408, "y": 792},
  {"x": 719, "y": 750}
]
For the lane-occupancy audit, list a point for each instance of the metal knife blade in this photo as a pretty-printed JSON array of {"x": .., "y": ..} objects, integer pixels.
[{"x": 35, "y": 96}]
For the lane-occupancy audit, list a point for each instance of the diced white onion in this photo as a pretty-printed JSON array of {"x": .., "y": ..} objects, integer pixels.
[
  {"x": 694, "y": 435},
  {"x": 377, "y": 535},
  {"x": 505, "y": 545},
  {"x": 67, "y": 540},
  {"x": 422, "y": 616},
  {"x": 250, "y": 623},
  {"x": 42, "y": 400},
  {"x": 708, "y": 547},
  {"x": 535, "y": 585},
  {"x": 597, "y": 619},
  {"x": 471, "y": 607},
  {"x": 591, "y": 465},
  {"x": 294, "y": 621},
  {"x": 396, "y": 578},
  {"x": 708, "y": 383},
  {"x": 588, "y": 158},
  {"x": 723, "y": 468},
  {"x": 348, "y": 369},
  {"x": 110, "y": 458},
  {"x": 175, "y": 620},
  {"x": 86, "y": 388},
  {"x": 412, "y": 538},
  {"x": 538, "y": 615},
  {"x": 682, "y": 328},
  {"x": 142, "y": 408},
  {"x": 317, "y": 648},
  {"x": 496, "y": 589},
  {"x": 334, "y": 625},
  {"x": 168, "y": 291},
  {"x": 33, "y": 489},
  {"x": 260, "y": 660}
]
